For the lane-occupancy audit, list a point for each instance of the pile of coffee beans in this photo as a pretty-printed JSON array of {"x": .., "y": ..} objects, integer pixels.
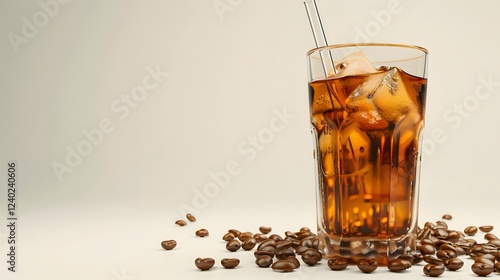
[{"x": 438, "y": 246}]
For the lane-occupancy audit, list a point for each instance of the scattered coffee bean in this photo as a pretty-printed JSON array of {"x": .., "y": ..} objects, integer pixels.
[
  {"x": 265, "y": 230},
  {"x": 433, "y": 270},
  {"x": 486, "y": 228},
  {"x": 267, "y": 242},
  {"x": 497, "y": 266},
  {"x": 417, "y": 258},
  {"x": 311, "y": 256},
  {"x": 285, "y": 253},
  {"x": 259, "y": 253},
  {"x": 204, "y": 263},
  {"x": 453, "y": 264},
  {"x": 190, "y": 217},
  {"x": 260, "y": 237},
  {"x": 276, "y": 237},
  {"x": 427, "y": 249},
  {"x": 201, "y": 232},
  {"x": 433, "y": 259},
  {"x": 446, "y": 254},
  {"x": 482, "y": 269},
  {"x": 490, "y": 236},
  {"x": 293, "y": 260},
  {"x": 291, "y": 234},
  {"x": 284, "y": 244},
  {"x": 180, "y": 223},
  {"x": 447, "y": 217},
  {"x": 305, "y": 229},
  {"x": 168, "y": 244},
  {"x": 407, "y": 257},
  {"x": 367, "y": 265},
  {"x": 228, "y": 237},
  {"x": 301, "y": 249},
  {"x": 453, "y": 236},
  {"x": 244, "y": 236},
  {"x": 338, "y": 263},
  {"x": 306, "y": 243},
  {"x": 470, "y": 230},
  {"x": 264, "y": 261},
  {"x": 283, "y": 266},
  {"x": 235, "y": 232},
  {"x": 497, "y": 256},
  {"x": 230, "y": 262},
  {"x": 233, "y": 245},
  {"x": 398, "y": 265},
  {"x": 249, "y": 244},
  {"x": 486, "y": 259}
]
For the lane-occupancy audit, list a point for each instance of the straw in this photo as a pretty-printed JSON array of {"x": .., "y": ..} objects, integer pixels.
[{"x": 318, "y": 33}]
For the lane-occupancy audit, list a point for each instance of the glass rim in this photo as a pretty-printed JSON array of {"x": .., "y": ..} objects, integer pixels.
[{"x": 353, "y": 45}]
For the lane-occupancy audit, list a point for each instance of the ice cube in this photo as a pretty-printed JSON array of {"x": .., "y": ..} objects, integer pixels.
[{"x": 354, "y": 64}]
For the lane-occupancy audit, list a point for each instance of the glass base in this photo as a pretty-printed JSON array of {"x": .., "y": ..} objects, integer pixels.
[{"x": 356, "y": 248}]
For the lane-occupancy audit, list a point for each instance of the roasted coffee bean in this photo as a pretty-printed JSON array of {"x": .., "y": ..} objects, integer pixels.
[
  {"x": 490, "y": 236},
  {"x": 409, "y": 258},
  {"x": 235, "y": 232},
  {"x": 190, "y": 217},
  {"x": 440, "y": 242},
  {"x": 204, "y": 263},
  {"x": 228, "y": 237},
  {"x": 283, "y": 266},
  {"x": 446, "y": 254},
  {"x": 447, "y": 217},
  {"x": 285, "y": 244},
  {"x": 306, "y": 243},
  {"x": 201, "y": 232},
  {"x": 424, "y": 233},
  {"x": 285, "y": 253},
  {"x": 398, "y": 265},
  {"x": 267, "y": 242},
  {"x": 244, "y": 236},
  {"x": 441, "y": 233},
  {"x": 427, "y": 249},
  {"x": 265, "y": 230},
  {"x": 301, "y": 249},
  {"x": 429, "y": 225},
  {"x": 260, "y": 237},
  {"x": 486, "y": 259},
  {"x": 453, "y": 236},
  {"x": 180, "y": 223},
  {"x": 276, "y": 237},
  {"x": 367, "y": 265},
  {"x": 230, "y": 262},
  {"x": 482, "y": 249},
  {"x": 453, "y": 264},
  {"x": 497, "y": 256},
  {"x": 291, "y": 234},
  {"x": 249, "y": 244},
  {"x": 293, "y": 260},
  {"x": 168, "y": 244},
  {"x": 259, "y": 253},
  {"x": 426, "y": 241},
  {"x": 233, "y": 245},
  {"x": 264, "y": 261},
  {"x": 497, "y": 266},
  {"x": 311, "y": 256},
  {"x": 496, "y": 243},
  {"x": 449, "y": 247},
  {"x": 433, "y": 259},
  {"x": 417, "y": 258},
  {"x": 338, "y": 263},
  {"x": 316, "y": 243},
  {"x": 486, "y": 228},
  {"x": 482, "y": 269},
  {"x": 470, "y": 230},
  {"x": 305, "y": 229},
  {"x": 441, "y": 225},
  {"x": 433, "y": 270}
]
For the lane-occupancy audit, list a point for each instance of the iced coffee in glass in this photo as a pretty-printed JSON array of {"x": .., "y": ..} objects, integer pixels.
[{"x": 367, "y": 106}]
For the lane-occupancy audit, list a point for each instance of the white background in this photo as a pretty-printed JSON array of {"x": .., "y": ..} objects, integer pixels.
[{"x": 231, "y": 64}]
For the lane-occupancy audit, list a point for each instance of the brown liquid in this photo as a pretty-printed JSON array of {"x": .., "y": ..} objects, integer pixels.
[{"x": 367, "y": 129}]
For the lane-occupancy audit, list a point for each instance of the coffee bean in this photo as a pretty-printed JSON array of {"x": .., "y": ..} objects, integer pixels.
[
  {"x": 424, "y": 233},
  {"x": 306, "y": 243},
  {"x": 367, "y": 265},
  {"x": 432, "y": 259},
  {"x": 490, "y": 236},
  {"x": 497, "y": 266},
  {"x": 267, "y": 242},
  {"x": 235, "y": 232},
  {"x": 427, "y": 249},
  {"x": 285, "y": 253},
  {"x": 486, "y": 228},
  {"x": 305, "y": 229},
  {"x": 264, "y": 261},
  {"x": 275, "y": 237},
  {"x": 228, "y": 237},
  {"x": 259, "y": 253},
  {"x": 265, "y": 230},
  {"x": 233, "y": 245},
  {"x": 202, "y": 232},
  {"x": 434, "y": 270},
  {"x": 244, "y": 236},
  {"x": 453, "y": 264},
  {"x": 482, "y": 249},
  {"x": 441, "y": 233},
  {"x": 486, "y": 259},
  {"x": 301, "y": 249},
  {"x": 180, "y": 223},
  {"x": 449, "y": 247},
  {"x": 284, "y": 244},
  {"x": 283, "y": 266},
  {"x": 470, "y": 230},
  {"x": 409, "y": 258},
  {"x": 260, "y": 237},
  {"x": 291, "y": 234},
  {"x": 441, "y": 225},
  {"x": 398, "y": 265},
  {"x": 417, "y": 258},
  {"x": 293, "y": 260},
  {"x": 168, "y": 244},
  {"x": 338, "y": 263},
  {"x": 230, "y": 262},
  {"x": 446, "y": 254},
  {"x": 190, "y": 217},
  {"x": 497, "y": 256},
  {"x": 482, "y": 269},
  {"x": 447, "y": 217},
  {"x": 311, "y": 256},
  {"x": 429, "y": 225},
  {"x": 249, "y": 244},
  {"x": 204, "y": 263},
  {"x": 453, "y": 236}
]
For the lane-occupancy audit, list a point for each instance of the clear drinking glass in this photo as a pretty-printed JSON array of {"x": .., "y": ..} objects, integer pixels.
[{"x": 367, "y": 105}]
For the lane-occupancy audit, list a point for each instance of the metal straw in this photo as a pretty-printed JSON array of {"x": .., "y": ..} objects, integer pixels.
[{"x": 319, "y": 34}]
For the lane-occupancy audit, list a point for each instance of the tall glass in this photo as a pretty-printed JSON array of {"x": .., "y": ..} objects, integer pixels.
[{"x": 367, "y": 105}]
